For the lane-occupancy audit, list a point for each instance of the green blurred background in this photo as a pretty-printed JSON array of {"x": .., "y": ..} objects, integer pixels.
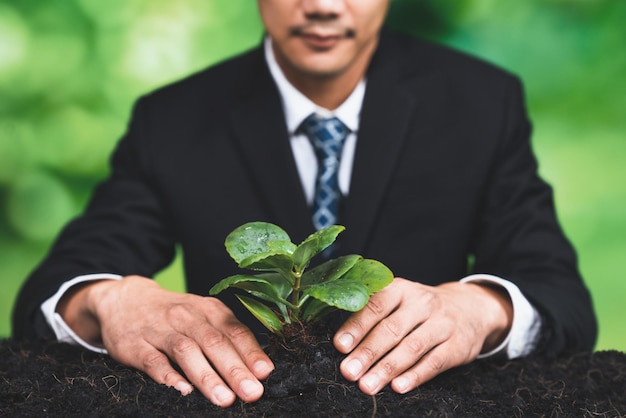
[{"x": 71, "y": 69}]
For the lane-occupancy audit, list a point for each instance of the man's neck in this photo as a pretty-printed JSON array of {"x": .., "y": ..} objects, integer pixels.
[{"x": 328, "y": 91}]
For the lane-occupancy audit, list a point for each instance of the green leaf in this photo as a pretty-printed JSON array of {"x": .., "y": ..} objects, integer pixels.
[
  {"x": 264, "y": 314},
  {"x": 374, "y": 275},
  {"x": 305, "y": 252},
  {"x": 342, "y": 283},
  {"x": 282, "y": 247},
  {"x": 256, "y": 238},
  {"x": 270, "y": 287},
  {"x": 347, "y": 295},
  {"x": 231, "y": 281},
  {"x": 269, "y": 262},
  {"x": 330, "y": 270},
  {"x": 316, "y": 309},
  {"x": 280, "y": 284},
  {"x": 315, "y": 244}
]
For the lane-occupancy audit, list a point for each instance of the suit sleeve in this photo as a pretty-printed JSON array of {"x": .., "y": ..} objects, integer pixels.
[
  {"x": 124, "y": 230},
  {"x": 520, "y": 239}
]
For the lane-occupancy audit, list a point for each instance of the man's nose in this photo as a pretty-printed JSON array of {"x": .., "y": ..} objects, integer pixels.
[{"x": 323, "y": 7}]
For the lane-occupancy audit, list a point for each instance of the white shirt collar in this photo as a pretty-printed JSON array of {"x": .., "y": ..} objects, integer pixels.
[{"x": 297, "y": 106}]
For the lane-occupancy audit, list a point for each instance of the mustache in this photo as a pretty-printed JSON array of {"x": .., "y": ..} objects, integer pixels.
[{"x": 333, "y": 27}]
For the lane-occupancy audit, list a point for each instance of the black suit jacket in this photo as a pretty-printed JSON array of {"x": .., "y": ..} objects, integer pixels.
[{"x": 443, "y": 173}]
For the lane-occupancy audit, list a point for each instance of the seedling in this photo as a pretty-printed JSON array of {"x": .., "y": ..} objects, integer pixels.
[{"x": 346, "y": 282}]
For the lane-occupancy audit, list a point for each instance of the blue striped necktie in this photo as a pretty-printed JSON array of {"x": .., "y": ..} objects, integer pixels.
[{"x": 328, "y": 136}]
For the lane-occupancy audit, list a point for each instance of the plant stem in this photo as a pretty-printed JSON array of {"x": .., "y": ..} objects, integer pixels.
[{"x": 295, "y": 293}]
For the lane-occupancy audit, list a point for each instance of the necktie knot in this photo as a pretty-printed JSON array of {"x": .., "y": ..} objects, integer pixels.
[{"x": 327, "y": 135}]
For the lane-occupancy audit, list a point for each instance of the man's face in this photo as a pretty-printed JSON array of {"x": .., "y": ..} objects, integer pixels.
[{"x": 323, "y": 38}]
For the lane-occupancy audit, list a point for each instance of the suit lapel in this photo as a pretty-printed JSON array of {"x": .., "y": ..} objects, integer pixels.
[
  {"x": 259, "y": 125},
  {"x": 382, "y": 132},
  {"x": 390, "y": 109}
]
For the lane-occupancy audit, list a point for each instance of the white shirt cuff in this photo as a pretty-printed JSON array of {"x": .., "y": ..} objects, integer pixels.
[
  {"x": 524, "y": 333},
  {"x": 63, "y": 331}
]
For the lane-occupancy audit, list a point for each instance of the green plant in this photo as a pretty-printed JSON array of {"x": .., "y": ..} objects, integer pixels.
[{"x": 344, "y": 283}]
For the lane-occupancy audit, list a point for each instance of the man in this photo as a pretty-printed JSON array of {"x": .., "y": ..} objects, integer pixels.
[{"x": 436, "y": 167}]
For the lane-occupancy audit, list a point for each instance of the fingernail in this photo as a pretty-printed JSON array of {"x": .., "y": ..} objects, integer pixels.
[
  {"x": 354, "y": 367},
  {"x": 250, "y": 388},
  {"x": 401, "y": 384},
  {"x": 262, "y": 368},
  {"x": 223, "y": 395},
  {"x": 371, "y": 382},
  {"x": 346, "y": 340},
  {"x": 184, "y": 388}
]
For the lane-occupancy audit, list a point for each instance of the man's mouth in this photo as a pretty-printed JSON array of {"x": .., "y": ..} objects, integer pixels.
[{"x": 321, "y": 36}]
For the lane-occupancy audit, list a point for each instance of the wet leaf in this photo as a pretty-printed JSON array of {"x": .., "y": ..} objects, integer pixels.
[
  {"x": 272, "y": 291},
  {"x": 347, "y": 295},
  {"x": 268, "y": 262},
  {"x": 315, "y": 244},
  {"x": 231, "y": 281},
  {"x": 330, "y": 270},
  {"x": 257, "y": 238},
  {"x": 374, "y": 275}
]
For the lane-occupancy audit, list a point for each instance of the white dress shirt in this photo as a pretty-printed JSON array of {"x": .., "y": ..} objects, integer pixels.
[{"x": 526, "y": 324}]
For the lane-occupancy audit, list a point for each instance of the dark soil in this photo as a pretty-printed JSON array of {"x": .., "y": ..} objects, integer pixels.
[
  {"x": 61, "y": 380},
  {"x": 303, "y": 358}
]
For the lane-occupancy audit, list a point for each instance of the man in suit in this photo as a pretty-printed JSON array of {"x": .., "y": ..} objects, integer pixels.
[{"x": 436, "y": 169}]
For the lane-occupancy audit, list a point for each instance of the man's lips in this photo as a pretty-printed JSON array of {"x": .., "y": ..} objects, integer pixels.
[
  {"x": 320, "y": 42},
  {"x": 321, "y": 36}
]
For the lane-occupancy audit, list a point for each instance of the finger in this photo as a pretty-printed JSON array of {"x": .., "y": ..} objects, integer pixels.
[
  {"x": 410, "y": 351},
  {"x": 158, "y": 367},
  {"x": 445, "y": 347},
  {"x": 384, "y": 337},
  {"x": 358, "y": 325},
  {"x": 211, "y": 344},
  {"x": 189, "y": 356},
  {"x": 244, "y": 341},
  {"x": 430, "y": 365}
]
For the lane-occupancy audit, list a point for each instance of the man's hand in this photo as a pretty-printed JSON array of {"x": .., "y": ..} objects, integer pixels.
[
  {"x": 409, "y": 333},
  {"x": 145, "y": 326}
]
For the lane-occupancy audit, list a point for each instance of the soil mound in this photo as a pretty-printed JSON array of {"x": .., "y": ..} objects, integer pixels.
[{"x": 61, "y": 380}]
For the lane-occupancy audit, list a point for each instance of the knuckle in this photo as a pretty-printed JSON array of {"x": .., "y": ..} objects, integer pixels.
[
  {"x": 170, "y": 377},
  {"x": 358, "y": 325},
  {"x": 436, "y": 363},
  {"x": 214, "y": 340},
  {"x": 183, "y": 345},
  {"x": 389, "y": 368},
  {"x": 251, "y": 354},
  {"x": 368, "y": 354},
  {"x": 153, "y": 361},
  {"x": 237, "y": 372},
  {"x": 238, "y": 330},
  {"x": 208, "y": 378},
  {"x": 392, "y": 327},
  {"x": 429, "y": 299},
  {"x": 376, "y": 306},
  {"x": 416, "y": 346}
]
